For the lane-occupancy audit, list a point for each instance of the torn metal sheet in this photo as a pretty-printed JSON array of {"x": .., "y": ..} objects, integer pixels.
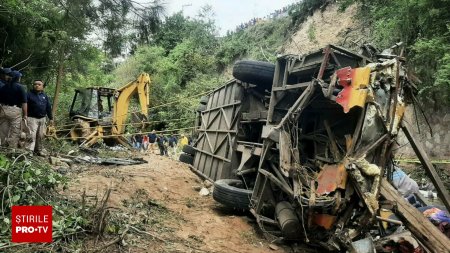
[
  {"x": 354, "y": 83},
  {"x": 324, "y": 220},
  {"x": 330, "y": 178}
]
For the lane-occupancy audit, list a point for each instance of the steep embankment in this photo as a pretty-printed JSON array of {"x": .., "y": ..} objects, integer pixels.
[{"x": 328, "y": 25}]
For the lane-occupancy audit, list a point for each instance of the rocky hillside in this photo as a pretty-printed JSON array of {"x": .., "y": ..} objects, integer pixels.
[{"x": 328, "y": 25}]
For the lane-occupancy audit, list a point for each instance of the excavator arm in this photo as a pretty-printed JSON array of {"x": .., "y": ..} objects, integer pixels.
[
  {"x": 91, "y": 128},
  {"x": 123, "y": 95}
]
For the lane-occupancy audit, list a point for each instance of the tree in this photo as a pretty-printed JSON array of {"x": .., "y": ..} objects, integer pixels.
[
  {"x": 127, "y": 24},
  {"x": 423, "y": 26}
]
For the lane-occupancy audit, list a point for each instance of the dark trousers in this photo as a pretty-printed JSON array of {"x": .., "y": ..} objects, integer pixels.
[{"x": 162, "y": 149}]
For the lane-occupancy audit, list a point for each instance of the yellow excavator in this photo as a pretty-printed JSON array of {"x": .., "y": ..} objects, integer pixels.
[{"x": 100, "y": 113}]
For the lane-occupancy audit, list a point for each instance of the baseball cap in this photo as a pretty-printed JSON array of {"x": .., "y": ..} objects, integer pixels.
[{"x": 5, "y": 71}]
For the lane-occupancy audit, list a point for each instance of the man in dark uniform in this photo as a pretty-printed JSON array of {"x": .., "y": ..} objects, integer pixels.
[
  {"x": 173, "y": 145},
  {"x": 4, "y": 77},
  {"x": 38, "y": 108},
  {"x": 13, "y": 108},
  {"x": 152, "y": 140},
  {"x": 161, "y": 139}
]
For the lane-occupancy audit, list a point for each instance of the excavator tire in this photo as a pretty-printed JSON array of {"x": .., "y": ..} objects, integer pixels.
[
  {"x": 232, "y": 193},
  {"x": 255, "y": 72},
  {"x": 189, "y": 150},
  {"x": 185, "y": 158}
]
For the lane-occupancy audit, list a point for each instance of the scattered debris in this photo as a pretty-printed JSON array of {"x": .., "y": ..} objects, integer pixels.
[{"x": 97, "y": 160}]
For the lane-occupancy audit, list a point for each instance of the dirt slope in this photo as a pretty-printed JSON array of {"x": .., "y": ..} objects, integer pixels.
[
  {"x": 160, "y": 198},
  {"x": 326, "y": 26}
]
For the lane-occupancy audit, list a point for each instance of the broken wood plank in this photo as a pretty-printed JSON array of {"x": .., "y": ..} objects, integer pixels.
[
  {"x": 415, "y": 221},
  {"x": 443, "y": 194}
]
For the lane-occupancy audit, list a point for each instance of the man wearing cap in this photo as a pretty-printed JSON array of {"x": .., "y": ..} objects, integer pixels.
[
  {"x": 4, "y": 77},
  {"x": 39, "y": 108},
  {"x": 13, "y": 108}
]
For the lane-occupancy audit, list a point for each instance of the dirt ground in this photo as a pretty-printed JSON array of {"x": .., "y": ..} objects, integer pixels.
[{"x": 161, "y": 202}]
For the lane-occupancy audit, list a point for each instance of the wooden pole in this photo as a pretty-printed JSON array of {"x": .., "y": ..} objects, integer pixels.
[{"x": 428, "y": 166}]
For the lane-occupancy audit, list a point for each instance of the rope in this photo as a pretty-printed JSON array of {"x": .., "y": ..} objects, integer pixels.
[
  {"x": 415, "y": 160},
  {"x": 116, "y": 135},
  {"x": 111, "y": 125},
  {"x": 151, "y": 107}
]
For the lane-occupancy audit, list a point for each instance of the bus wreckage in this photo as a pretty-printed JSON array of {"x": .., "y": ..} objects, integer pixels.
[{"x": 306, "y": 145}]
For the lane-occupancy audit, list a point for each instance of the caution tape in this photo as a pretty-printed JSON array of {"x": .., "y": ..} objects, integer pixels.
[
  {"x": 415, "y": 160},
  {"x": 150, "y": 108},
  {"x": 125, "y": 124}
]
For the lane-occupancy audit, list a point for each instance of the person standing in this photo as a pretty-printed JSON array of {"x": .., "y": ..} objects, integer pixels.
[
  {"x": 145, "y": 142},
  {"x": 138, "y": 139},
  {"x": 39, "y": 108},
  {"x": 13, "y": 108},
  {"x": 183, "y": 141},
  {"x": 161, "y": 140},
  {"x": 4, "y": 77},
  {"x": 152, "y": 140},
  {"x": 173, "y": 145}
]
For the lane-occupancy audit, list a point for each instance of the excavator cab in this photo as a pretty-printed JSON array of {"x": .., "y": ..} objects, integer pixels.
[
  {"x": 101, "y": 113},
  {"x": 92, "y": 104}
]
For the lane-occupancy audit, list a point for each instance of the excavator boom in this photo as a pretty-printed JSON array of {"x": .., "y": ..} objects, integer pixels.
[{"x": 123, "y": 95}]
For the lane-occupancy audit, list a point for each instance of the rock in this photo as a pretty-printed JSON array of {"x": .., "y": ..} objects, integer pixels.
[
  {"x": 62, "y": 170},
  {"x": 54, "y": 160},
  {"x": 273, "y": 246},
  {"x": 204, "y": 192},
  {"x": 437, "y": 139},
  {"x": 65, "y": 165},
  {"x": 197, "y": 188},
  {"x": 207, "y": 183},
  {"x": 428, "y": 144},
  {"x": 446, "y": 118}
]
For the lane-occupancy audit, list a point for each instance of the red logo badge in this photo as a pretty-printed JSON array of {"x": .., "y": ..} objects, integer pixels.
[{"x": 31, "y": 224}]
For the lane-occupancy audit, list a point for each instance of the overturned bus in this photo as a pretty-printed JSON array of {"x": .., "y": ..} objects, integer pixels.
[{"x": 306, "y": 146}]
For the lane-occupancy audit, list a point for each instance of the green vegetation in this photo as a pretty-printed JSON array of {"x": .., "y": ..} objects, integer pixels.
[
  {"x": 259, "y": 42},
  {"x": 423, "y": 25},
  {"x": 29, "y": 181},
  {"x": 52, "y": 40},
  {"x": 302, "y": 10},
  {"x": 56, "y": 40},
  {"x": 312, "y": 32}
]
